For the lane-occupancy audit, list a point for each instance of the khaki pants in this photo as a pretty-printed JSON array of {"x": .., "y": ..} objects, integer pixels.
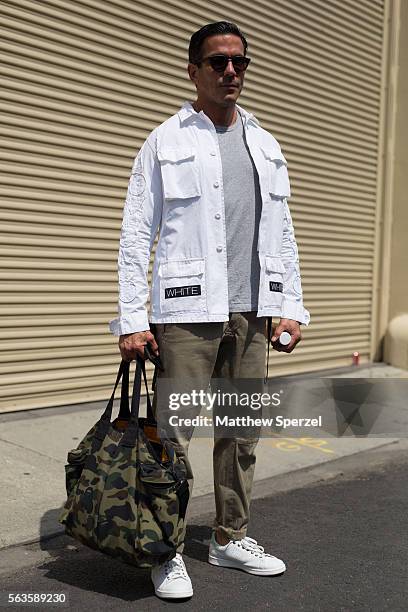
[{"x": 201, "y": 351}]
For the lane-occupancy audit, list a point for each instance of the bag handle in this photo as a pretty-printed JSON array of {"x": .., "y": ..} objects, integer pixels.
[
  {"x": 149, "y": 408},
  {"x": 107, "y": 414},
  {"x": 124, "y": 411},
  {"x": 102, "y": 426},
  {"x": 130, "y": 435},
  {"x": 137, "y": 384}
]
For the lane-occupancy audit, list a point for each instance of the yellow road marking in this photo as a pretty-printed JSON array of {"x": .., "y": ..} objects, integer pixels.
[{"x": 296, "y": 444}]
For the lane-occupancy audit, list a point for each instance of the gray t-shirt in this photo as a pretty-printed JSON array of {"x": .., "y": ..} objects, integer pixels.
[{"x": 243, "y": 205}]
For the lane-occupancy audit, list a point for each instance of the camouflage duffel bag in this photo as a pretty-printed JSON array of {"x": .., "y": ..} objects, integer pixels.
[{"x": 127, "y": 490}]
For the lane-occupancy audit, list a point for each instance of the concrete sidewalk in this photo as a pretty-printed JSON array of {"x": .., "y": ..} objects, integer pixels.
[{"x": 34, "y": 445}]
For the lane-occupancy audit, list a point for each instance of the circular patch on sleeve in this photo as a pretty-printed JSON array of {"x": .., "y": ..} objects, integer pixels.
[
  {"x": 127, "y": 292},
  {"x": 137, "y": 184}
]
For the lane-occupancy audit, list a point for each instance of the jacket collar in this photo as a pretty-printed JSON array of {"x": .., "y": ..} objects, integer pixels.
[{"x": 187, "y": 113}]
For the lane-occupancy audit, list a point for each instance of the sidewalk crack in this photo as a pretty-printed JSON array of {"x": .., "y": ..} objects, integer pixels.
[{"x": 37, "y": 452}]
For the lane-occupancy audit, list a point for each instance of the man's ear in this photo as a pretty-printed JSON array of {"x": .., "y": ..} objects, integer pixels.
[{"x": 192, "y": 72}]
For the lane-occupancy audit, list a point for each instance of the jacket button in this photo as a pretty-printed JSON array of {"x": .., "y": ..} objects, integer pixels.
[
  {"x": 213, "y": 153},
  {"x": 217, "y": 216},
  {"x": 219, "y": 249},
  {"x": 216, "y": 184}
]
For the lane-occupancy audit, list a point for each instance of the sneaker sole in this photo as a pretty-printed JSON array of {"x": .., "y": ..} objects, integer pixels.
[
  {"x": 164, "y": 595},
  {"x": 233, "y": 565}
]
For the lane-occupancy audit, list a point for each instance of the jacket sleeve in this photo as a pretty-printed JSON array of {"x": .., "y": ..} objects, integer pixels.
[
  {"x": 141, "y": 220},
  {"x": 292, "y": 305}
]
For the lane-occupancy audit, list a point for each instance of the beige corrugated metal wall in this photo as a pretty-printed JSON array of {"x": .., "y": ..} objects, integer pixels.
[{"x": 85, "y": 81}]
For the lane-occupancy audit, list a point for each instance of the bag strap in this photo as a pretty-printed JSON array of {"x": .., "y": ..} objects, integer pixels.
[
  {"x": 124, "y": 411},
  {"x": 102, "y": 426},
  {"x": 137, "y": 384},
  {"x": 130, "y": 435},
  {"x": 107, "y": 415},
  {"x": 149, "y": 409}
]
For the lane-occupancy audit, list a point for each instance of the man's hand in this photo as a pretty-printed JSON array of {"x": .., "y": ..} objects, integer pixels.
[
  {"x": 131, "y": 345},
  {"x": 290, "y": 326}
]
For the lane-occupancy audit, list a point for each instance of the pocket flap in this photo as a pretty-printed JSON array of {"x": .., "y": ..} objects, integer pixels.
[
  {"x": 274, "y": 264},
  {"x": 274, "y": 155},
  {"x": 279, "y": 185},
  {"x": 181, "y": 268},
  {"x": 175, "y": 155}
]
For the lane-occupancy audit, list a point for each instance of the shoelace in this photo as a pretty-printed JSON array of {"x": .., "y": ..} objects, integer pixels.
[
  {"x": 253, "y": 547},
  {"x": 176, "y": 567}
]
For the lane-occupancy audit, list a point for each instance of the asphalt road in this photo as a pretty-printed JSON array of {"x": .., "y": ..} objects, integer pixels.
[{"x": 344, "y": 542}]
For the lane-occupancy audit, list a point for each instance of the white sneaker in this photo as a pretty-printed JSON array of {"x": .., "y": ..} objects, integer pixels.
[
  {"x": 246, "y": 555},
  {"x": 171, "y": 580}
]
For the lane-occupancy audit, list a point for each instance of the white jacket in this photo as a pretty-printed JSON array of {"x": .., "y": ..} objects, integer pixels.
[{"x": 176, "y": 187}]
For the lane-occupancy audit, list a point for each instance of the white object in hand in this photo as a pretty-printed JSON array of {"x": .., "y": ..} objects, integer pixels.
[{"x": 285, "y": 338}]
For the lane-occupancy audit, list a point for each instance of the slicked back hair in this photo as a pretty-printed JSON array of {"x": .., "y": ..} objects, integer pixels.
[{"x": 212, "y": 29}]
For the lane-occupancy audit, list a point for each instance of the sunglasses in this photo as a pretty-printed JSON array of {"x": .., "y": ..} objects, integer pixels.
[{"x": 220, "y": 61}]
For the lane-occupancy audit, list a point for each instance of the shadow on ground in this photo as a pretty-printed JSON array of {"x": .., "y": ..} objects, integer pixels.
[{"x": 75, "y": 565}]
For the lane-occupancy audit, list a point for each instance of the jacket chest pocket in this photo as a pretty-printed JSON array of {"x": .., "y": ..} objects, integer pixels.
[
  {"x": 278, "y": 184},
  {"x": 272, "y": 271},
  {"x": 182, "y": 286},
  {"x": 180, "y": 173}
]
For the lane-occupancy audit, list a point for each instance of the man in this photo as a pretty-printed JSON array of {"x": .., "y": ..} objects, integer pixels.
[{"x": 216, "y": 184}]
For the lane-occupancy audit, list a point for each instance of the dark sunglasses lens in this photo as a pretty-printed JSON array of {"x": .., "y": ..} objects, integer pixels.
[
  {"x": 218, "y": 62},
  {"x": 240, "y": 63}
]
